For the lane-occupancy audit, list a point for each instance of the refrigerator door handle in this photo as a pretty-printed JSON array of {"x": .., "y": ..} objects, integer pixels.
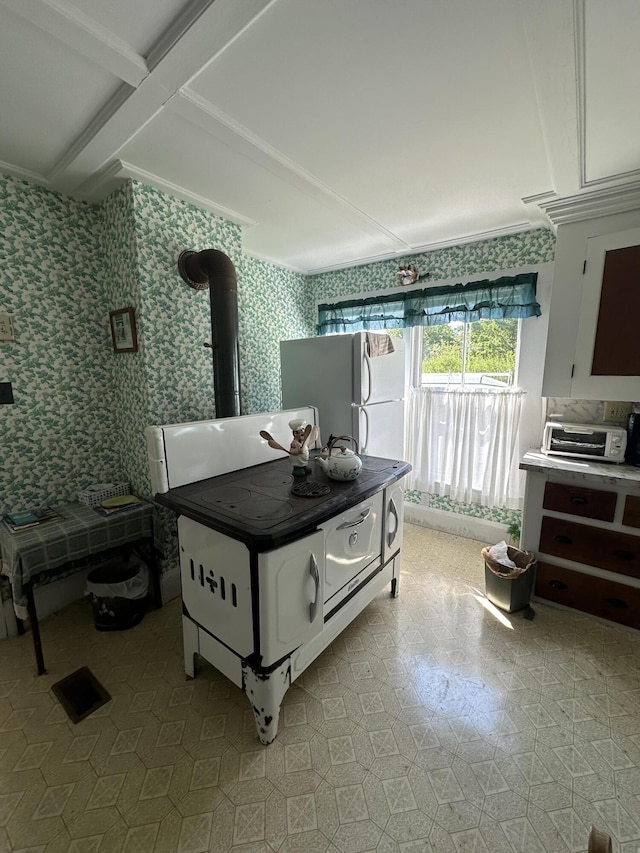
[
  {"x": 366, "y": 361},
  {"x": 363, "y": 444}
]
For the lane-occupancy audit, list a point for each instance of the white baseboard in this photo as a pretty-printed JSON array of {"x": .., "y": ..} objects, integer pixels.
[{"x": 481, "y": 529}]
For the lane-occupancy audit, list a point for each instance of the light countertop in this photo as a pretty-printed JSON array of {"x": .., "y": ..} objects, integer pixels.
[{"x": 624, "y": 475}]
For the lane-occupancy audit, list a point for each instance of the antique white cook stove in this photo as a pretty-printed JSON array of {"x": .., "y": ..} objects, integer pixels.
[{"x": 270, "y": 578}]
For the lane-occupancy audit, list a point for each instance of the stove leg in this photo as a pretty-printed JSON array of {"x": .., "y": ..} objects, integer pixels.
[
  {"x": 395, "y": 581},
  {"x": 265, "y": 691},
  {"x": 190, "y": 645}
]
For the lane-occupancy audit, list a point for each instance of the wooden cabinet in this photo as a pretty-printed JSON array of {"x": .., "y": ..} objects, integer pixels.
[
  {"x": 585, "y": 532},
  {"x": 607, "y": 355},
  {"x": 576, "y": 500},
  {"x": 631, "y": 516},
  {"x": 592, "y": 351},
  {"x": 607, "y": 599},
  {"x": 593, "y": 546}
]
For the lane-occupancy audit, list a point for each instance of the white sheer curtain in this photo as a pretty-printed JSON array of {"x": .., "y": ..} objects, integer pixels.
[{"x": 462, "y": 444}]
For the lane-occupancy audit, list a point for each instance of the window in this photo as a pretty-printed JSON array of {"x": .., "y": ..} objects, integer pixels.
[
  {"x": 463, "y": 411},
  {"x": 462, "y": 406},
  {"x": 466, "y": 354}
]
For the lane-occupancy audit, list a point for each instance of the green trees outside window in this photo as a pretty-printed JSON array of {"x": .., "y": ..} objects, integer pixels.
[{"x": 483, "y": 352}]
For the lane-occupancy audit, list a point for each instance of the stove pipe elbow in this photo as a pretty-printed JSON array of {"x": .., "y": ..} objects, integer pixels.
[{"x": 215, "y": 270}]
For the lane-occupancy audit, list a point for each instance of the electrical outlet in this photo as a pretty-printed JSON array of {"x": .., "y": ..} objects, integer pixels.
[
  {"x": 6, "y": 328},
  {"x": 616, "y": 412}
]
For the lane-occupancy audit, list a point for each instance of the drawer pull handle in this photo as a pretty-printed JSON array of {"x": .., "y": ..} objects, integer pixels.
[
  {"x": 617, "y": 602},
  {"x": 578, "y": 499},
  {"x": 563, "y": 540},
  {"x": 557, "y": 585},
  {"x": 624, "y": 555},
  {"x": 364, "y": 515}
]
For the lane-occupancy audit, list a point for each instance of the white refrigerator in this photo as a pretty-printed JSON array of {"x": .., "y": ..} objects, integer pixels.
[{"x": 356, "y": 391}]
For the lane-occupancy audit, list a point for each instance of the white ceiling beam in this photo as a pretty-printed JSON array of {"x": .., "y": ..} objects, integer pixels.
[
  {"x": 103, "y": 138},
  {"x": 216, "y": 27},
  {"x": 209, "y": 33},
  {"x": 550, "y": 32},
  {"x": 195, "y": 109},
  {"x": 82, "y": 34}
]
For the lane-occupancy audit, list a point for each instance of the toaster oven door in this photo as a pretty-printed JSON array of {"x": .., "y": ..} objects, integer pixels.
[{"x": 585, "y": 442}]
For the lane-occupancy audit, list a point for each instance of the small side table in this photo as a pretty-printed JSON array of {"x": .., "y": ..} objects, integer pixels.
[{"x": 37, "y": 552}]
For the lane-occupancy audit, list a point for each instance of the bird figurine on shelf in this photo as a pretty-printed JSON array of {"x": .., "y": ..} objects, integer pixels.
[{"x": 407, "y": 275}]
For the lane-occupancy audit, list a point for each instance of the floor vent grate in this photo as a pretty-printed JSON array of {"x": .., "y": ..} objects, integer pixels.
[{"x": 80, "y": 694}]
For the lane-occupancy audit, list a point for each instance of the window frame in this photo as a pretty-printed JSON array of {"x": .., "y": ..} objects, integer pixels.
[{"x": 413, "y": 342}]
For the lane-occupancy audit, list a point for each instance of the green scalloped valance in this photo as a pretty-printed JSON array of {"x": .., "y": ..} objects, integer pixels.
[{"x": 505, "y": 298}]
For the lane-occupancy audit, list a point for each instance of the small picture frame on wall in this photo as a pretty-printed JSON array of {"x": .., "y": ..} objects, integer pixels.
[{"x": 123, "y": 330}]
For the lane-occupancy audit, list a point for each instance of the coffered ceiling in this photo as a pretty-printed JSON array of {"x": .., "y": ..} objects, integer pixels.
[{"x": 333, "y": 131}]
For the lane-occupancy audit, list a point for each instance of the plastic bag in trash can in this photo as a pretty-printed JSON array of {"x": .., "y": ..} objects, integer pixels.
[
  {"x": 506, "y": 561},
  {"x": 129, "y": 582}
]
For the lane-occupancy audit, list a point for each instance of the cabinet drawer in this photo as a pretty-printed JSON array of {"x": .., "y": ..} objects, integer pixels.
[
  {"x": 600, "y": 597},
  {"x": 631, "y": 515},
  {"x": 607, "y": 549},
  {"x": 575, "y": 500}
]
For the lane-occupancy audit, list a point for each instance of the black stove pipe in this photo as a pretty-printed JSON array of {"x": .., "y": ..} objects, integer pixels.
[{"x": 215, "y": 270}]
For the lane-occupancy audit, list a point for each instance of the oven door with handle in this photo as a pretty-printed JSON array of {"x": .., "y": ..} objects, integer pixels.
[
  {"x": 291, "y": 581},
  {"x": 353, "y": 543}
]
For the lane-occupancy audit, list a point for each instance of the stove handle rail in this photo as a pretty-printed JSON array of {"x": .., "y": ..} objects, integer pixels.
[
  {"x": 364, "y": 515},
  {"x": 315, "y": 574}
]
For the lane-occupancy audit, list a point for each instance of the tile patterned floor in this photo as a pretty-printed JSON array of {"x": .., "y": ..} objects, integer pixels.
[{"x": 429, "y": 726}]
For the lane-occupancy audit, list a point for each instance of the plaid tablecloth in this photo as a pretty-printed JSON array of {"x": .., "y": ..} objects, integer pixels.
[{"x": 28, "y": 556}]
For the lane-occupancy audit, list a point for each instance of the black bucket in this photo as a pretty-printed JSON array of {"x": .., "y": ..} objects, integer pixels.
[{"x": 118, "y": 595}]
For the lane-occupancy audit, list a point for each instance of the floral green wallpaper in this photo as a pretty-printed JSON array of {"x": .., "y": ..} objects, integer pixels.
[
  {"x": 61, "y": 433},
  {"x": 176, "y": 319},
  {"x": 80, "y": 409},
  {"x": 517, "y": 250},
  {"x": 127, "y": 369},
  {"x": 274, "y": 306}
]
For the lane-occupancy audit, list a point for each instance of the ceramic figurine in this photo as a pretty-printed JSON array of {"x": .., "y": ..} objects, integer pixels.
[
  {"x": 299, "y": 450},
  {"x": 303, "y": 435}
]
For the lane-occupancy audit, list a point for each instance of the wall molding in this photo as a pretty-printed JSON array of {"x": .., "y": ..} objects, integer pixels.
[
  {"x": 24, "y": 174},
  {"x": 478, "y": 237},
  {"x": 588, "y": 205},
  {"x": 122, "y": 170}
]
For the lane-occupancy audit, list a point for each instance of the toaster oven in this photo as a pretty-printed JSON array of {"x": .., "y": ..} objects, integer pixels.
[{"x": 601, "y": 442}]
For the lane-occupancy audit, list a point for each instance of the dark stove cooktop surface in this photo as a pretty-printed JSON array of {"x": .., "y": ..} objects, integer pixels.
[{"x": 258, "y": 505}]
